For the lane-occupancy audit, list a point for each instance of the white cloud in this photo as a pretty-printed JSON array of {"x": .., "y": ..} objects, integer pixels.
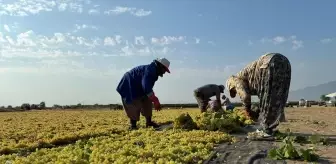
[
  {"x": 132, "y": 10},
  {"x": 165, "y": 40},
  {"x": 6, "y": 27},
  {"x": 119, "y": 10},
  {"x": 327, "y": 40},
  {"x": 296, "y": 44},
  {"x": 293, "y": 37},
  {"x": 30, "y": 44},
  {"x": 279, "y": 39},
  {"x": 131, "y": 50},
  {"x": 140, "y": 40},
  {"x": 10, "y": 40},
  {"x": 58, "y": 40},
  {"x": 26, "y": 7},
  {"x": 84, "y": 26},
  {"x": 108, "y": 41},
  {"x": 89, "y": 43},
  {"x": 76, "y": 7},
  {"x": 93, "y": 11},
  {"x": 2, "y": 39},
  {"x": 211, "y": 42},
  {"x": 141, "y": 13},
  {"x": 24, "y": 39},
  {"x": 32, "y": 7},
  {"x": 62, "y": 6},
  {"x": 118, "y": 39},
  {"x": 197, "y": 40}
]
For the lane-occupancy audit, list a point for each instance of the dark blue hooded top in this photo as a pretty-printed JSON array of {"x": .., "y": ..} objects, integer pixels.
[{"x": 137, "y": 82}]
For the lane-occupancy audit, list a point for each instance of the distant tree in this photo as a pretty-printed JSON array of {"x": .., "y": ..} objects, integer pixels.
[
  {"x": 9, "y": 107},
  {"x": 42, "y": 105},
  {"x": 324, "y": 98},
  {"x": 56, "y": 106},
  {"x": 34, "y": 106},
  {"x": 25, "y": 106}
]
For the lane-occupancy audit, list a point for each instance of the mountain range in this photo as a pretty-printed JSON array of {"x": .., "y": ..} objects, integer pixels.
[{"x": 312, "y": 92}]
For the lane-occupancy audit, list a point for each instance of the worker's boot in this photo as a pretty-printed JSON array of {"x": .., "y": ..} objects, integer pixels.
[
  {"x": 270, "y": 132},
  {"x": 150, "y": 123},
  {"x": 133, "y": 125}
]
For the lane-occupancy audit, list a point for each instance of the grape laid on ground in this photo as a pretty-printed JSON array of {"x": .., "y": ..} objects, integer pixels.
[{"x": 101, "y": 136}]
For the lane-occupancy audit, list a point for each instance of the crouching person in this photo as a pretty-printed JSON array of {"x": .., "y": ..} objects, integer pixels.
[
  {"x": 136, "y": 91},
  {"x": 204, "y": 93}
]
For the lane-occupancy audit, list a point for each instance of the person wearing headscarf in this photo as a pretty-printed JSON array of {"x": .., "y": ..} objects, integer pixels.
[{"x": 269, "y": 78}]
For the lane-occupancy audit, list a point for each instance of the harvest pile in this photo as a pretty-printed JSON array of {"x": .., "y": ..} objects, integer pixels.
[
  {"x": 89, "y": 136},
  {"x": 227, "y": 121}
]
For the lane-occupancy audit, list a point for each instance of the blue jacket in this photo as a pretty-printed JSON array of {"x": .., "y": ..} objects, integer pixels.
[{"x": 137, "y": 82}]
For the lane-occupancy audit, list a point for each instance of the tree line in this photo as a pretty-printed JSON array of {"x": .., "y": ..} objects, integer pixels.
[{"x": 42, "y": 106}]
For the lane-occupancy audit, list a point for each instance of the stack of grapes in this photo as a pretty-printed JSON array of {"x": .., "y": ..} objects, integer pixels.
[{"x": 227, "y": 121}]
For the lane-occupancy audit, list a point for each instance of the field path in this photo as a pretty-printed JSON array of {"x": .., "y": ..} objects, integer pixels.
[{"x": 244, "y": 151}]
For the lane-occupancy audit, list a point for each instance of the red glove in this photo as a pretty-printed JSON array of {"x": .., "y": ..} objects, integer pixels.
[{"x": 156, "y": 102}]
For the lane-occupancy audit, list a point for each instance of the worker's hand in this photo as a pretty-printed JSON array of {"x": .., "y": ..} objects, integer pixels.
[
  {"x": 157, "y": 106},
  {"x": 252, "y": 114},
  {"x": 156, "y": 102},
  {"x": 246, "y": 113}
]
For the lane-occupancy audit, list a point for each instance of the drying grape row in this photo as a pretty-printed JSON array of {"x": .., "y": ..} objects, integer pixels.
[{"x": 92, "y": 136}]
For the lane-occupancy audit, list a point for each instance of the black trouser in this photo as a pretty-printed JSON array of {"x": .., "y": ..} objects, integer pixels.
[
  {"x": 274, "y": 88},
  {"x": 201, "y": 101}
]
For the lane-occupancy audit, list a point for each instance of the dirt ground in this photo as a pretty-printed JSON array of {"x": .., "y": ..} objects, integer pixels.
[
  {"x": 314, "y": 120},
  {"x": 301, "y": 121}
]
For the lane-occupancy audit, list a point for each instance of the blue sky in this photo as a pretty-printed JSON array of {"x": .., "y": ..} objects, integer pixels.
[{"x": 75, "y": 51}]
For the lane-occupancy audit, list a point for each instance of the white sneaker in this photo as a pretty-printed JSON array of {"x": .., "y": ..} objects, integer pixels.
[{"x": 261, "y": 133}]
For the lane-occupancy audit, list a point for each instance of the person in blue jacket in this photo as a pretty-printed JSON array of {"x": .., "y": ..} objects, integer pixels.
[{"x": 136, "y": 91}]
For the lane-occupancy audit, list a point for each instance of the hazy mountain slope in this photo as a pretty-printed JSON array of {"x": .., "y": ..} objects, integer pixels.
[{"x": 313, "y": 92}]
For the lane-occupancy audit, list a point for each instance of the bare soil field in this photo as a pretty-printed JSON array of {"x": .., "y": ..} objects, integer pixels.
[{"x": 314, "y": 120}]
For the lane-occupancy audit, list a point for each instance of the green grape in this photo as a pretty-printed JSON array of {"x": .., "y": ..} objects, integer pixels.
[{"x": 101, "y": 137}]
